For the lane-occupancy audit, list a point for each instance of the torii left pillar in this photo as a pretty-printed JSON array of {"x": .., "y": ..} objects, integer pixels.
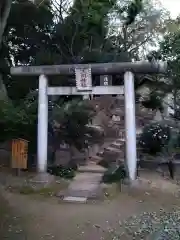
[{"x": 42, "y": 124}]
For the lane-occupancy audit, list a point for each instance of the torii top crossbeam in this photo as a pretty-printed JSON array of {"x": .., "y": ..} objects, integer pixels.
[{"x": 142, "y": 67}]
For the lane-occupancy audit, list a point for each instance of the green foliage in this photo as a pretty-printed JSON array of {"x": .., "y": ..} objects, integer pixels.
[
  {"x": 74, "y": 118},
  {"x": 62, "y": 171},
  {"x": 170, "y": 52},
  {"x": 153, "y": 102},
  {"x": 82, "y": 36},
  {"x": 114, "y": 174},
  {"x": 154, "y": 137},
  {"x": 133, "y": 10},
  {"x": 17, "y": 121},
  {"x": 172, "y": 147}
]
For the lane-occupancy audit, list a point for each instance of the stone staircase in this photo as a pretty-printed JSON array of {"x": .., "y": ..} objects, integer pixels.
[
  {"x": 87, "y": 183},
  {"x": 113, "y": 153},
  {"x": 114, "y": 127}
]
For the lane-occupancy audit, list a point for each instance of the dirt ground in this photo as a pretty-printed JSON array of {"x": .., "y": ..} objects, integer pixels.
[{"x": 28, "y": 217}]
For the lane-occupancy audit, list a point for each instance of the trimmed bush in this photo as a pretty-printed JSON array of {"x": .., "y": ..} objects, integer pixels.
[{"x": 61, "y": 171}]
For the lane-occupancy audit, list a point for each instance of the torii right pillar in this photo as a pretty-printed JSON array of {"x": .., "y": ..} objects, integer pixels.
[{"x": 130, "y": 125}]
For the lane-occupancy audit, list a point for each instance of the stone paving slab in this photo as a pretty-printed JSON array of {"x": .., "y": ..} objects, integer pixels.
[
  {"x": 117, "y": 144},
  {"x": 89, "y": 194},
  {"x": 112, "y": 149},
  {"x": 75, "y": 199},
  {"x": 88, "y": 177},
  {"x": 120, "y": 140},
  {"x": 84, "y": 185},
  {"x": 97, "y": 157},
  {"x": 92, "y": 168}
]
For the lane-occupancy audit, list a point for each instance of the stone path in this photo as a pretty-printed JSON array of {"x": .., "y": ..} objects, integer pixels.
[
  {"x": 86, "y": 185},
  {"x": 114, "y": 151}
]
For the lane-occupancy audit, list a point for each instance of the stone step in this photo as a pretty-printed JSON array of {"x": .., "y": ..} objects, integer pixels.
[
  {"x": 100, "y": 154},
  {"x": 117, "y": 145},
  {"x": 84, "y": 186},
  {"x": 71, "y": 199},
  {"x": 120, "y": 140},
  {"x": 112, "y": 149},
  {"x": 91, "y": 168},
  {"x": 88, "y": 177},
  {"x": 97, "y": 157},
  {"x": 88, "y": 194}
]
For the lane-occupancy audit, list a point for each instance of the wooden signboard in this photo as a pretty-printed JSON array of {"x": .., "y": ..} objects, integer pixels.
[
  {"x": 83, "y": 79},
  {"x": 19, "y": 153}
]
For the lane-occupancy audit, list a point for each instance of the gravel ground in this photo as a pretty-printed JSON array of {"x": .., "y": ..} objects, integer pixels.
[{"x": 151, "y": 226}]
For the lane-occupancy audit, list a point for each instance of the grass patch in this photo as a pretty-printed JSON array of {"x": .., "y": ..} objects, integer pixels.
[{"x": 48, "y": 191}]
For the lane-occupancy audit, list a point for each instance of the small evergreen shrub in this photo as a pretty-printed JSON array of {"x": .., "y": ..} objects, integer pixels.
[
  {"x": 114, "y": 174},
  {"x": 62, "y": 171},
  {"x": 154, "y": 137}
]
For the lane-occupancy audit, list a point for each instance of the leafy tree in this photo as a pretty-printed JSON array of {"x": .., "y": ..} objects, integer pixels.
[
  {"x": 153, "y": 102},
  {"x": 23, "y": 39},
  {"x": 72, "y": 124},
  {"x": 39, "y": 40},
  {"x": 170, "y": 52},
  {"x": 142, "y": 33},
  {"x": 21, "y": 122}
]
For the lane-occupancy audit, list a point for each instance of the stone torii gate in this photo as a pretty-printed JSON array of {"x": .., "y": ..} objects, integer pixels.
[{"x": 84, "y": 87}]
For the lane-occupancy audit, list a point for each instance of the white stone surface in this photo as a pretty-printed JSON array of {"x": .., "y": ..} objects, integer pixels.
[{"x": 75, "y": 199}]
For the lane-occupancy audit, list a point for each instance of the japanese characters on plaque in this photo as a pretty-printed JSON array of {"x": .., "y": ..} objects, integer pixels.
[
  {"x": 105, "y": 80},
  {"x": 83, "y": 78}
]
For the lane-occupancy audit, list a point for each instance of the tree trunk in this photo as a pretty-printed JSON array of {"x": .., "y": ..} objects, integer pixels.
[
  {"x": 3, "y": 91},
  {"x": 5, "y": 6}
]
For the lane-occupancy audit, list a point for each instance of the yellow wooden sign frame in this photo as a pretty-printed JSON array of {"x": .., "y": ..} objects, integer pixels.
[{"x": 19, "y": 153}]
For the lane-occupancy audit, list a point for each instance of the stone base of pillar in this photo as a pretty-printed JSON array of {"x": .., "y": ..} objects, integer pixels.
[
  {"x": 138, "y": 186},
  {"x": 42, "y": 180}
]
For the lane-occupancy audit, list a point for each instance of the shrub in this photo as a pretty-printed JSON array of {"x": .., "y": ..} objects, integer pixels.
[
  {"x": 114, "y": 174},
  {"x": 61, "y": 171},
  {"x": 154, "y": 137}
]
